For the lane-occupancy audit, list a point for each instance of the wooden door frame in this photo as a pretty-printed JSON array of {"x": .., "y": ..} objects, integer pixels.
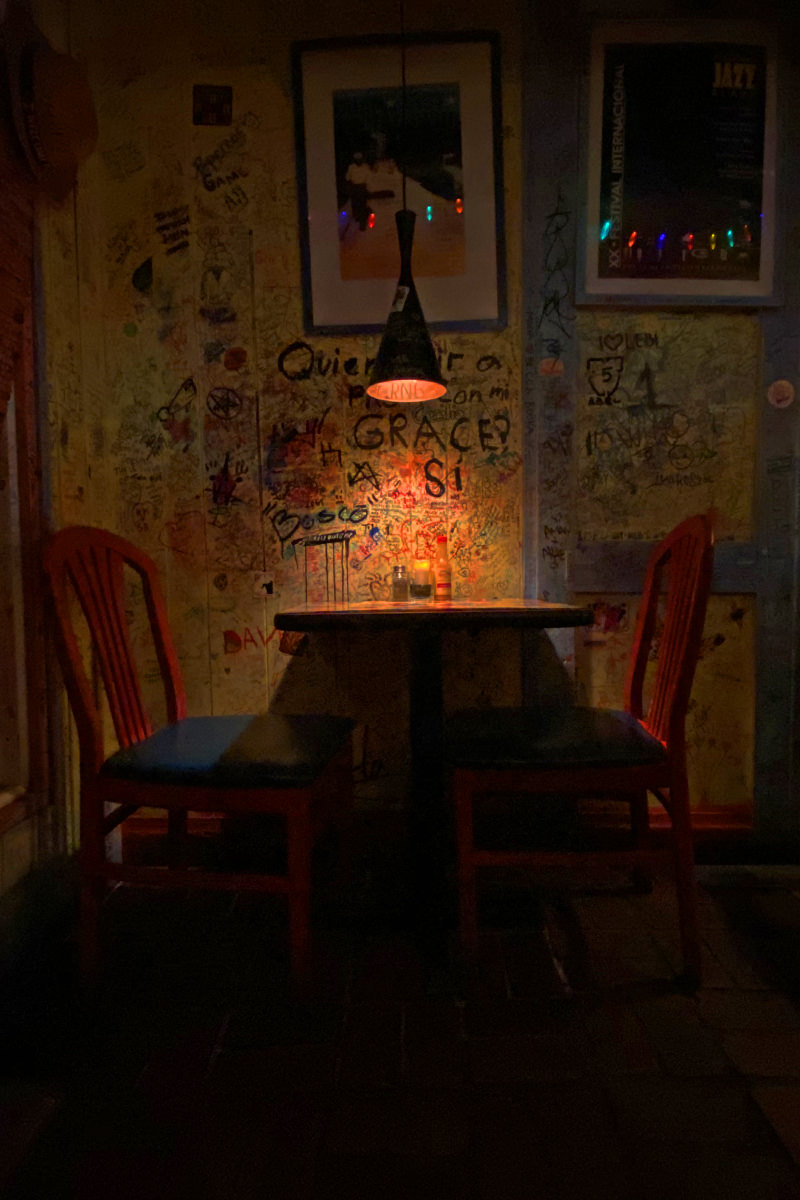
[{"x": 18, "y": 276}]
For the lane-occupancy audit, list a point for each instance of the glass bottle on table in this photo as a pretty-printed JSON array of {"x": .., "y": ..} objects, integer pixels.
[
  {"x": 400, "y": 583},
  {"x": 442, "y": 570}
]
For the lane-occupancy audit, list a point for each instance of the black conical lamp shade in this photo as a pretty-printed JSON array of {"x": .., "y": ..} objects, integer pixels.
[{"x": 406, "y": 370}]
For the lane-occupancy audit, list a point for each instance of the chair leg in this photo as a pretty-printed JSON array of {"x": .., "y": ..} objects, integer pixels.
[
  {"x": 467, "y": 898},
  {"x": 686, "y": 883},
  {"x": 640, "y": 820},
  {"x": 299, "y": 872},
  {"x": 91, "y": 856},
  {"x": 640, "y": 827},
  {"x": 177, "y": 820},
  {"x": 91, "y": 893},
  {"x": 345, "y": 825}
]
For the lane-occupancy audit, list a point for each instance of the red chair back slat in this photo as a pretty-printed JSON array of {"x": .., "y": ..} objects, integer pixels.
[
  {"x": 680, "y": 568},
  {"x": 97, "y": 577},
  {"x": 91, "y": 563}
]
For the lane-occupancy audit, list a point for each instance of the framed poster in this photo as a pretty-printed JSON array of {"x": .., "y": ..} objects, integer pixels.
[
  {"x": 680, "y": 165},
  {"x": 363, "y": 140}
]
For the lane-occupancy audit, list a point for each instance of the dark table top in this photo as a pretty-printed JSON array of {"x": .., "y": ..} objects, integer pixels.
[{"x": 375, "y": 615}]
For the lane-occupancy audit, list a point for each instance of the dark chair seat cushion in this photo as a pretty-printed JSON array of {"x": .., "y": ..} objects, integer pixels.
[
  {"x": 566, "y": 737},
  {"x": 250, "y": 751}
]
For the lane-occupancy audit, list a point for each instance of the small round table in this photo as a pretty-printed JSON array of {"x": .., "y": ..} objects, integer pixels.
[{"x": 425, "y": 624}]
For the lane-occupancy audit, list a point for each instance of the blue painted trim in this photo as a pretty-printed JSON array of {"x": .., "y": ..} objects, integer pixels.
[{"x": 618, "y": 567}]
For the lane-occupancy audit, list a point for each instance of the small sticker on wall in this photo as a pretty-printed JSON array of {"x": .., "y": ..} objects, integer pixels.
[
  {"x": 212, "y": 105},
  {"x": 551, "y": 366},
  {"x": 780, "y": 393}
]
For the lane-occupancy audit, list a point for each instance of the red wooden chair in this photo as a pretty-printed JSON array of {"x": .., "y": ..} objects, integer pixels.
[
  {"x": 589, "y": 752},
  {"x": 297, "y": 766}
]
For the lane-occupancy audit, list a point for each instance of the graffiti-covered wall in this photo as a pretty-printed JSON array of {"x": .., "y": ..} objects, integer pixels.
[
  {"x": 190, "y": 411},
  {"x": 640, "y": 413},
  {"x": 664, "y": 426}
]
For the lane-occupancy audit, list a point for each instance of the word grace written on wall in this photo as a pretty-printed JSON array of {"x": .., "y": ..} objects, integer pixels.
[
  {"x": 665, "y": 422},
  {"x": 395, "y": 476}
]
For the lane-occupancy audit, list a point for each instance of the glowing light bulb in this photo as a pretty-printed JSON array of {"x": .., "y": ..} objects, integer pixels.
[{"x": 604, "y": 232}]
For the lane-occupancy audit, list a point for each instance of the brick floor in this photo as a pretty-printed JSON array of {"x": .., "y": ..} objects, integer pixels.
[{"x": 198, "y": 1075}]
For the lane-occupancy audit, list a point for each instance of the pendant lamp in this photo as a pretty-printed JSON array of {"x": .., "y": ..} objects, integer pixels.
[{"x": 406, "y": 370}]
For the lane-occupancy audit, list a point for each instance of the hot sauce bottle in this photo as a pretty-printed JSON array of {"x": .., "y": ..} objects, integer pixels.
[{"x": 442, "y": 570}]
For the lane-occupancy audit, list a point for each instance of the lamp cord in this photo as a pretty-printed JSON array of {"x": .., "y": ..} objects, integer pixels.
[{"x": 403, "y": 97}]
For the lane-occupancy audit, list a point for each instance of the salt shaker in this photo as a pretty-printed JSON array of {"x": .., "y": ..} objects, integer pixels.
[{"x": 399, "y": 583}]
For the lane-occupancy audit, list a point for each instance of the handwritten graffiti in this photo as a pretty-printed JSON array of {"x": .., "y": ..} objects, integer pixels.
[
  {"x": 236, "y": 197},
  {"x": 554, "y": 555},
  {"x": 173, "y": 228},
  {"x": 336, "y": 544},
  {"x": 223, "y": 403},
  {"x": 285, "y": 523},
  {"x": 488, "y": 362},
  {"x": 185, "y": 533},
  {"x": 288, "y": 442},
  {"x": 555, "y": 316},
  {"x": 373, "y": 430},
  {"x": 223, "y": 484},
  {"x": 436, "y": 483},
  {"x": 175, "y": 415},
  {"x": 367, "y": 547},
  {"x": 560, "y": 440},
  {"x": 234, "y": 643},
  {"x": 122, "y": 243},
  {"x": 363, "y": 472},
  {"x": 209, "y": 167},
  {"x": 631, "y": 340},
  {"x": 604, "y": 375},
  {"x": 692, "y": 480},
  {"x": 299, "y": 361},
  {"x": 216, "y": 285},
  {"x": 643, "y": 441}
]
